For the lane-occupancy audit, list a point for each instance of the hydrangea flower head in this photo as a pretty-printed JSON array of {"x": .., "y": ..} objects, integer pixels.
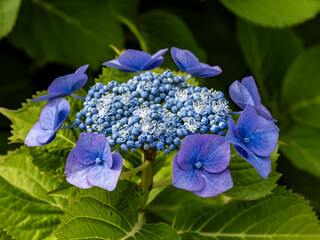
[
  {"x": 246, "y": 93},
  {"x": 66, "y": 85},
  {"x": 201, "y": 165},
  {"x": 190, "y": 64},
  {"x": 51, "y": 119},
  {"x": 91, "y": 163},
  {"x": 254, "y": 138},
  {"x": 137, "y": 61}
]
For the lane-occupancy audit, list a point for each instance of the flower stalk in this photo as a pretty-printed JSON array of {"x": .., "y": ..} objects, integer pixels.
[{"x": 147, "y": 173}]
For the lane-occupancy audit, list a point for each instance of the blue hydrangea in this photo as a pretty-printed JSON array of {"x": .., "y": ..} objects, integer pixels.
[{"x": 152, "y": 111}]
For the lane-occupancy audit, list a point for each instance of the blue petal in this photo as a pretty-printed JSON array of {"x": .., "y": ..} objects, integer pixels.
[
  {"x": 189, "y": 180},
  {"x": 231, "y": 134},
  {"x": 204, "y": 71},
  {"x": 115, "y": 64},
  {"x": 250, "y": 85},
  {"x": 240, "y": 95},
  {"x": 215, "y": 183},
  {"x": 184, "y": 59},
  {"x": 153, "y": 64},
  {"x": 261, "y": 164},
  {"x": 91, "y": 146},
  {"x": 104, "y": 177},
  {"x": 76, "y": 172},
  {"x": 218, "y": 157},
  {"x": 190, "y": 151},
  {"x": 82, "y": 69},
  {"x": 48, "y": 96},
  {"x": 68, "y": 84},
  {"x": 36, "y": 131},
  {"x": 247, "y": 123},
  {"x": 156, "y": 60},
  {"x": 265, "y": 139},
  {"x": 134, "y": 59}
]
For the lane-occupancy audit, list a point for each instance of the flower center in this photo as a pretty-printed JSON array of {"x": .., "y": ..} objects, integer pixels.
[
  {"x": 98, "y": 161},
  {"x": 246, "y": 140},
  {"x": 198, "y": 165}
]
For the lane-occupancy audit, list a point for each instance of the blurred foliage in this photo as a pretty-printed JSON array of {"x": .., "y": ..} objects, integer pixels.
[{"x": 276, "y": 41}]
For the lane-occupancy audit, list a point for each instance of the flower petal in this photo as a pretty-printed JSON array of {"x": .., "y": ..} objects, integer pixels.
[
  {"x": 156, "y": 60},
  {"x": 184, "y": 59},
  {"x": 240, "y": 95},
  {"x": 265, "y": 139},
  {"x": 250, "y": 85},
  {"x": 204, "y": 71},
  {"x": 190, "y": 151},
  {"x": 261, "y": 164},
  {"x": 247, "y": 123},
  {"x": 115, "y": 64},
  {"x": 76, "y": 172},
  {"x": 231, "y": 134},
  {"x": 215, "y": 183},
  {"x": 134, "y": 59},
  {"x": 218, "y": 157},
  {"x": 104, "y": 177},
  {"x": 82, "y": 69},
  {"x": 36, "y": 131},
  {"x": 189, "y": 180}
]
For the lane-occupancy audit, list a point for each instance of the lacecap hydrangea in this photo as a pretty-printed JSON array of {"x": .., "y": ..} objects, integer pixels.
[{"x": 157, "y": 112}]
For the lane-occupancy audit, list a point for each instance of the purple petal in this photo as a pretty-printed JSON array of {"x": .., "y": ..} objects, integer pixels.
[
  {"x": 31, "y": 139},
  {"x": 264, "y": 112},
  {"x": 250, "y": 85},
  {"x": 261, "y": 164},
  {"x": 190, "y": 151},
  {"x": 215, "y": 183},
  {"x": 82, "y": 69},
  {"x": 204, "y": 71},
  {"x": 91, "y": 146},
  {"x": 156, "y": 60},
  {"x": 184, "y": 59},
  {"x": 65, "y": 85},
  {"x": 115, "y": 64},
  {"x": 134, "y": 59},
  {"x": 153, "y": 64},
  {"x": 231, "y": 134},
  {"x": 189, "y": 180},
  {"x": 240, "y": 95},
  {"x": 76, "y": 172},
  {"x": 48, "y": 96},
  {"x": 104, "y": 177},
  {"x": 54, "y": 113},
  {"x": 265, "y": 139},
  {"x": 247, "y": 123},
  {"x": 218, "y": 157}
]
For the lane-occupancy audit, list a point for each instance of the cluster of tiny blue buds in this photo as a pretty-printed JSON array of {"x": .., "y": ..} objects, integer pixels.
[{"x": 152, "y": 111}]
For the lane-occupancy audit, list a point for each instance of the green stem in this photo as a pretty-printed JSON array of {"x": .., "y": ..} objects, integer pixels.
[
  {"x": 162, "y": 183},
  {"x": 135, "y": 170},
  {"x": 147, "y": 173}
]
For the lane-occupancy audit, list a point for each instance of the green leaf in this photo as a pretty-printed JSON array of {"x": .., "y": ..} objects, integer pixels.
[
  {"x": 26, "y": 211},
  {"x": 8, "y": 15},
  {"x": 301, "y": 182},
  {"x": 268, "y": 53},
  {"x": 162, "y": 29},
  {"x": 302, "y": 148},
  {"x": 282, "y": 215},
  {"x": 64, "y": 190},
  {"x": 247, "y": 183},
  {"x": 4, "y": 235},
  {"x": 301, "y": 88},
  {"x": 274, "y": 13},
  {"x": 165, "y": 203},
  {"x": 77, "y": 32},
  {"x": 96, "y": 213}
]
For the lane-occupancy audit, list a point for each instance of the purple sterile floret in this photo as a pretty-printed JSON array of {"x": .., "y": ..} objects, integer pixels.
[
  {"x": 254, "y": 138},
  {"x": 91, "y": 163},
  {"x": 190, "y": 64},
  {"x": 201, "y": 165},
  {"x": 51, "y": 118},
  {"x": 66, "y": 85},
  {"x": 246, "y": 93},
  {"x": 136, "y": 61}
]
